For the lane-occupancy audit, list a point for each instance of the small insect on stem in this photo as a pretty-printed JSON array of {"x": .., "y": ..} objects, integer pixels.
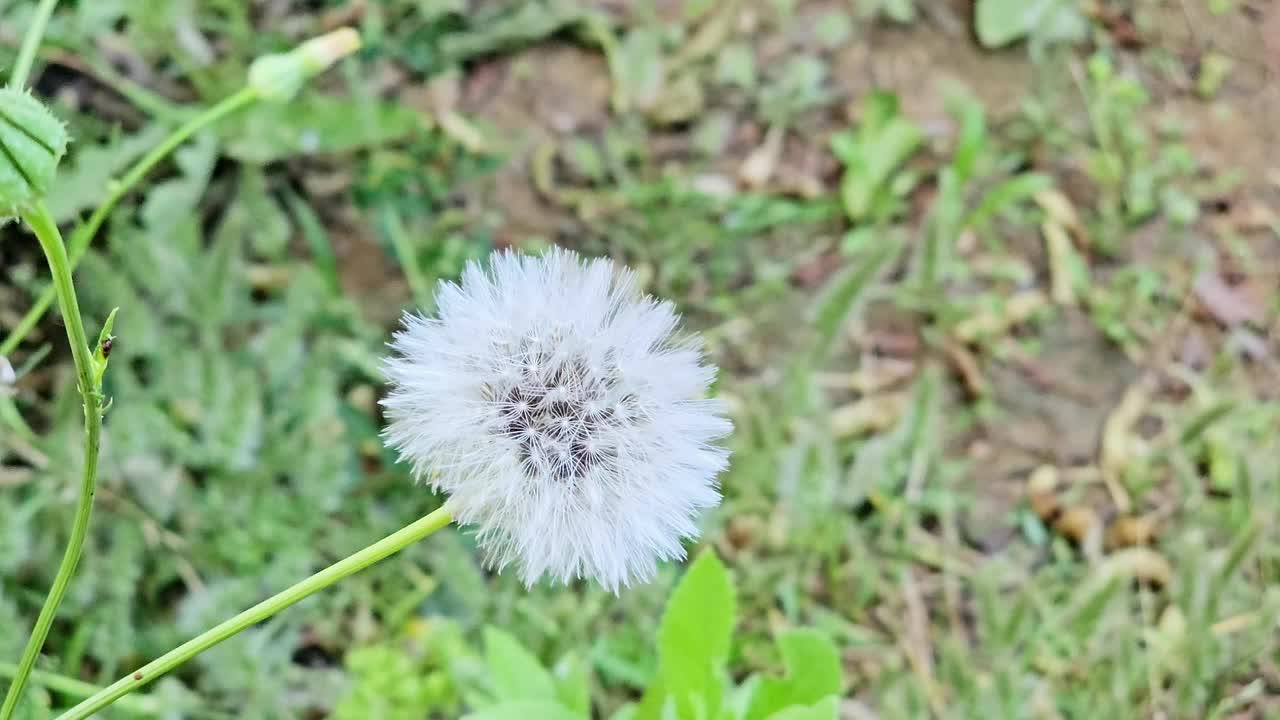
[{"x": 106, "y": 347}]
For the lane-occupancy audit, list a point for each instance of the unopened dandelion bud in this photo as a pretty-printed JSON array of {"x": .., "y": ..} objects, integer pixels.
[
  {"x": 557, "y": 407},
  {"x": 279, "y": 77},
  {"x": 32, "y": 143}
]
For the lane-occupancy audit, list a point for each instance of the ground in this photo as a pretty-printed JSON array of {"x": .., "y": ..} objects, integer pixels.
[{"x": 998, "y": 328}]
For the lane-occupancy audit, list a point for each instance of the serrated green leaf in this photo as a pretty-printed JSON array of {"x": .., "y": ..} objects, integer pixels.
[
  {"x": 813, "y": 672},
  {"x": 81, "y": 182},
  {"x": 514, "y": 671}
]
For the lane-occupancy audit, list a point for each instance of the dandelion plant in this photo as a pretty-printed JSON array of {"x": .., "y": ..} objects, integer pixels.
[{"x": 555, "y": 405}]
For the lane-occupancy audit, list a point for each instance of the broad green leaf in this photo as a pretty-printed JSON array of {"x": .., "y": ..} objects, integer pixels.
[
  {"x": 697, "y": 627},
  {"x": 825, "y": 710},
  {"x": 695, "y": 637},
  {"x": 873, "y": 156},
  {"x": 813, "y": 673},
  {"x": 527, "y": 710},
  {"x": 878, "y": 157},
  {"x": 881, "y": 107},
  {"x": 315, "y": 124},
  {"x": 515, "y": 673}
]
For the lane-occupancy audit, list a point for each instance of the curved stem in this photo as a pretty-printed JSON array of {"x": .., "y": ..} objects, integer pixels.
[
  {"x": 374, "y": 553},
  {"x": 46, "y": 230},
  {"x": 84, "y": 234},
  {"x": 31, "y": 43},
  {"x": 141, "y": 705}
]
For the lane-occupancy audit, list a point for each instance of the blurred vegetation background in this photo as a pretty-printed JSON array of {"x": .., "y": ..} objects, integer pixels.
[{"x": 993, "y": 286}]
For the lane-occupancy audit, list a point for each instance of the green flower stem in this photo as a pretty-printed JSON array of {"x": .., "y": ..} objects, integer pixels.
[
  {"x": 31, "y": 43},
  {"x": 140, "y": 705},
  {"x": 84, "y": 234},
  {"x": 372, "y": 554},
  {"x": 46, "y": 230}
]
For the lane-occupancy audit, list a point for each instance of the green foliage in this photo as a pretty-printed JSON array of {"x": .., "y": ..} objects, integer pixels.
[
  {"x": 523, "y": 709},
  {"x": 515, "y": 673},
  {"x": 1001, "y": 22},
  {"x": 960, "y": 206},
  {"x": 798, "y": 86},
  {"x": 1141, "y": 174},
  {"x": 874, "y": 183},
  {"x": 32, "y": 143},
  {"x": 902, "y": 11},
  {"x": 261, "y": 270},
  {"x": 843, "y": 296},
  {"x": 315, "y": 124},
  {"x": 813, "y": 675},
  {"x": 11, "y": 644},
  {"x": 695, "y": 643},
  {"x": 80, "y": 183},
  {"x": 389, "y": 684}
]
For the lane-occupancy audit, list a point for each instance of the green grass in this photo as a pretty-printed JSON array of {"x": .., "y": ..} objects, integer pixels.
[{"x": 903, "y": 349}]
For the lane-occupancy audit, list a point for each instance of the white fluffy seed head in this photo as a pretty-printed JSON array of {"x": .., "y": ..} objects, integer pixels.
[{"x": 554, "y": 405}]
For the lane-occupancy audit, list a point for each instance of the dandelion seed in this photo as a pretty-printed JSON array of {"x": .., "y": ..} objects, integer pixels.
[{"x": 555, "y": 406}]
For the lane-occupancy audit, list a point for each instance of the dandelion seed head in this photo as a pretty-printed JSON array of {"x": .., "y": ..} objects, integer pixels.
[{"x": 562, "y": 414}]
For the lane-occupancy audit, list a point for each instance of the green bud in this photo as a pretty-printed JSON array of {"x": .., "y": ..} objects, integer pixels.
[
  {"x": 276, "y": 78},
  {"x": 32, "y": 142},
  {"x": 279, "y": 77}
]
